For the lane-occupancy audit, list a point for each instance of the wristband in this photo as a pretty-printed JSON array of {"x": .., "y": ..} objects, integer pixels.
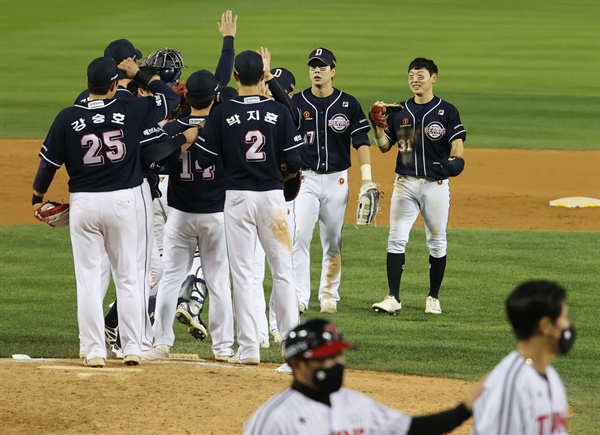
[
  {"x": 365, "y": 171},
  {"x": 382, "y": 141},
  {"x": 143, "y": 78},
  {"x": 36, "y": 199}
]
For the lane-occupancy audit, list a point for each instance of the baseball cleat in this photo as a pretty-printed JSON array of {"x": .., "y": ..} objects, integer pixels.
[
  {"x": 132, "y": 360},
  {"x": 301, "y": 307},
  {"x": 110, "y": 335},
  {"x": 196, "y": 326},
  {"x": 389, "y": 305},
  {"x": 114, "y": 352},
  {"x": 158, "y": 352},
  {"x": 284, "y": 368},
  {"x": 276, "y": 336},
  {"x": 97, "y": 362},
  {"x": 328, "y": 305},
  {"x": 432, "y": 306},
  {"x": 235, "y": 359}
]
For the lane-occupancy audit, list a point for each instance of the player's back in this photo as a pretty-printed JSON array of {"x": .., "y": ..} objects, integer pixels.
[
  {"x": 519, "y": 400},
  {"x": 98, "y": 141},
  {"x": 193, "y": 189},
  {"x": 251, "y": 134}
]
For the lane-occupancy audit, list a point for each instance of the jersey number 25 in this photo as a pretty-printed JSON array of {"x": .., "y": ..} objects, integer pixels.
[{"x": 111, "y": 138}]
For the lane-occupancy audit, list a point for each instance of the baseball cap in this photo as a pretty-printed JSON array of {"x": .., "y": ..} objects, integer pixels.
[
  {"x": 285, "y": 78},
  {"x": 323, "y": 55},
  {"x": 103, "y": 71},
  {"x": 317, "y": 338},
  {"x": 121, "y": 49},
  {"x": 202, "y": 85},
  {"x": 226, "y": 93},
  {"x": 248, "y": 66}
]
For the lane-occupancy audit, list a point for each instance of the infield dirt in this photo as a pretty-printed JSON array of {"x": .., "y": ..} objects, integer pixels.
[{"x": 508, "y": 189}]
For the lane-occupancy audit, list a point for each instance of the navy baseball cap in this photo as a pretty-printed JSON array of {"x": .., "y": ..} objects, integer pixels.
[
  {"x": 248, "y": 66},
  {"x": 202, "y": 85},
  {"x": 103, "y": 71},
  {"x": 226, "y": 93},
  {"x": 323, "y": 55},
  {"x": 121, "y": 49},
  {"x": 285, "y": 78},
  {"x": 315, "y": 339}
]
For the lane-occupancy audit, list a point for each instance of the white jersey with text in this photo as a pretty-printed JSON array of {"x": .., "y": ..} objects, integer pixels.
[
  {"x": 519, "y": 400},
  {"x": 351, "y": 412}
]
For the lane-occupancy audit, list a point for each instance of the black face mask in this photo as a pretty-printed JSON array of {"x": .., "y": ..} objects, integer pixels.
[
  {"x": 567, "y": 338},
  {"x": 329, "y": 380}
]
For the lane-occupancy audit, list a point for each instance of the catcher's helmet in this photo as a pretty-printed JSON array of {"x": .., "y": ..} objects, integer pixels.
[
  {"x": 317, "y": 338},
  {"x": 167, "y": 62}
]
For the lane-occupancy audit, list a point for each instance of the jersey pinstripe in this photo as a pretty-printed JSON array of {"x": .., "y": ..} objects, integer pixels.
[
  {"x": 350, "y": 412},
  {"x": 519, "y": 400}
]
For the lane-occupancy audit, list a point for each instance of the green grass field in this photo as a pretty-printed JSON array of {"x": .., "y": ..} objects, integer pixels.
[{"x": 524, "y": 74}]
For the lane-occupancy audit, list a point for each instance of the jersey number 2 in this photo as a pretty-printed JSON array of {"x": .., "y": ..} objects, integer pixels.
[
  {"x": 111, "y": 139},
  {"x": 256, "y": 140}
]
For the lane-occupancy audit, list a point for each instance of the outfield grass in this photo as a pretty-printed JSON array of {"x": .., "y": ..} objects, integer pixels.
[
  {"x": 524, "y": 74},
  {"x": 38, "y": 303}
]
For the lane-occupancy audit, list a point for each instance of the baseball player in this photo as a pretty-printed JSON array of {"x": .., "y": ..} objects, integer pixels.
[
  {"x": 254, "y": 136},
  {"x": 331, "y": 121},
  {"x": 196, "y": 198},
  {"x": 524, "y": 394},
  {"x": 98, "y": 141},
  {"x": 317, "y": 403},
  {"x": 427, "y": 131}
]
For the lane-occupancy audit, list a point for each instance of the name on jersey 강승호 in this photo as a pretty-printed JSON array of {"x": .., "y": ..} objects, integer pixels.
[
  {"x": 253, "y": 115},
  {"x": 117, "y": 118}
]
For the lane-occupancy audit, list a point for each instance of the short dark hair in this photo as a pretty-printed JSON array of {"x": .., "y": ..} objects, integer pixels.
[
  {"x": 99, "y": 90},
  {"x": 200, "y": 103},
  {"x": 529, "y": 302},
  {"x": 249, "y": 82},
  {"x": 134, "y": 86},
  {"x": 421, "y": 62}
]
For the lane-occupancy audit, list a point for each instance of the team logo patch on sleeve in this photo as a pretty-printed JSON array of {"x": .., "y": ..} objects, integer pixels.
[
  {"x": 339, "y": 123},
  {"x": 434, "y": 130}
]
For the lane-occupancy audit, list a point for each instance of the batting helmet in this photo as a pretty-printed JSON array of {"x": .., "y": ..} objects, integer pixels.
[
  {"x": 167, "y": 62},
  {"x": 317, "y": 338}
]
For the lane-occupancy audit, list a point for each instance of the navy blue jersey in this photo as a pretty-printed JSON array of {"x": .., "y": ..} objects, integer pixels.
[
  {"x": 99, "y": 141},
  {"x": 254, "y": 136},
  {"x": 193, "y": 189},
  {"x": 329, "y": 125},
  {"x": 424, "y": 133},
  {"x": 122, "y": 93}
]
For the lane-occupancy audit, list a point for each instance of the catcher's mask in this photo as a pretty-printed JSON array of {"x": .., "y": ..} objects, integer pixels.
[
  {"x": 317, "y": 338},
  {"x": 168, "y": 64}
]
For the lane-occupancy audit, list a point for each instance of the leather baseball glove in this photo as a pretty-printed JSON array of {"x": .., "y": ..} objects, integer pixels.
[
  {"x": 379, "y": 112},
  {"x": 452, "y": 166},
  {"x": 53, "y": 213},
  {"x": 368, "y": 203},
  {"x": 291, "y": 187},
  {"x": 180, "y": 89}
]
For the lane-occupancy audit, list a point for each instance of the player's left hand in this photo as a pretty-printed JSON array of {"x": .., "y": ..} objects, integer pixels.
[
  {"x": 228, "y": 25},
  {"x": 368, "y": 203}
]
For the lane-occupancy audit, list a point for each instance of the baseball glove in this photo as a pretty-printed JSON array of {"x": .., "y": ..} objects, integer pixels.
[
  {"x": 380, "y": 110},
  {"x": 368, "y": 203},
  {"x": 180, "y": 89},
  {"x": 53, "y": 213},
  {"x": 291, "y": 187},
  {"x": 452, "y": 166}
]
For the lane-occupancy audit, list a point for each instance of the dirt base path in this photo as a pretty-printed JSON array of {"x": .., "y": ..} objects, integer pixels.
[{"x": 499, "y": 189}]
